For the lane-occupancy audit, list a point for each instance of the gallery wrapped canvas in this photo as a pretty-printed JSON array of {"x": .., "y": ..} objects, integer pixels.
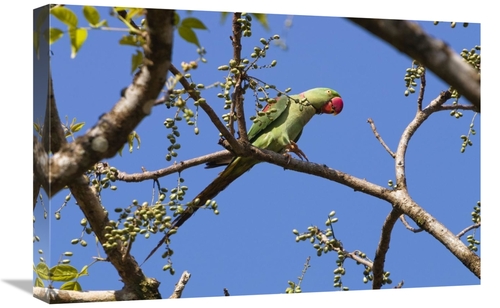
[{"x": 221, "y": 153}]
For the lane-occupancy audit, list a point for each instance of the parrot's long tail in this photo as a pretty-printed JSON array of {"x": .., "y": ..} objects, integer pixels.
[{"x": 233, "y": 171}]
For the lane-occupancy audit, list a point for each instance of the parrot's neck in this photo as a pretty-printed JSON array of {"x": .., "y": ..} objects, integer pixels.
[{"x": 301, "y": 114}]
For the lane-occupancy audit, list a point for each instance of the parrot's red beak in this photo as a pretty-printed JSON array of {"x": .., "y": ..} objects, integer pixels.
[{"x": 334, "y": 106}]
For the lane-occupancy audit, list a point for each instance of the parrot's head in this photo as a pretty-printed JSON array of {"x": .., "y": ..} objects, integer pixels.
[
  {"x": 333, "y": 106},
  {"x": 325, "y": 100}
]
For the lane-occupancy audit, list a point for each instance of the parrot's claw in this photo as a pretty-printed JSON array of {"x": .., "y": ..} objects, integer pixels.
[
  {"x": 288, "y": 157},
  {"x": 293, "y": 147}
]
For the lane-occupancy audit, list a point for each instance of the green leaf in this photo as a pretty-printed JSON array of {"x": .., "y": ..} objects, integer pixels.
[
  {"x": 262, "y": 18},
  {"x": 52, "y": 35},
  {"x": 76, "y": 127},
  {"x": 136, "y": 60},
  {"x": 188, "y": 35},
  {"x": 134, "y": 12},
  {"x": 223, "y": 17},
  {"x": 128, "y": 18},
  {"x": 84, "y": 271},
  {"x": 136, "y": 136},
  {"x": 65, "y": 15},
  {"x": 176, "y": 19},
  {"x": 63, "y": 272},
  {"x": 71, "y": 286},
  {"x": 102, "y": 23},
  {"x": 39, "y": 283},
  {"x": 91, "y": 15},
  {"x": 192, "y": 22},
  {"x": 42, "y": 271},
  {"x": 42, "y": 16},
  {"x": 77, "y": 38},
  {"x": 36, "y": 44},
  {"x": 133, "y": 135},
  {"x": 130, "y": 40}
]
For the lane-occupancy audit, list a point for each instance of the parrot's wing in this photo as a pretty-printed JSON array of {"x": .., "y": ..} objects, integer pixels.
[
  {"x": 267, "y": 115},
  {"x": 263, "y": 119}
]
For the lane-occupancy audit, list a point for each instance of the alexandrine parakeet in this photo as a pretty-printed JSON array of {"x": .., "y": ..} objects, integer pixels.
[{"x": 277, "y": 128}]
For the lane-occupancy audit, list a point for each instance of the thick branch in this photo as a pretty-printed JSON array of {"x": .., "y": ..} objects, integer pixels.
[
  {"x": 40, "y": 169},
  {"x": 130, "y": 272},
  {"x": 399, "y": 198},
  {"x": 53, "y": 136},
  {"x": 52, "y": 139},
  {"x": 55, "y": 296},
  {"x": 111, "y": 131},
  {"x": 323, "y": 171},
  {"x": 431, "y": 225},
  {"x": 410, "y": 130},
  {"x": 432, "y": 53},
  {"x": 383, "y": 248}
]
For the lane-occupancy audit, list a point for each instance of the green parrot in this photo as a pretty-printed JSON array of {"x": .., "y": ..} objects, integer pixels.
[{"x": 277, "y": 127}]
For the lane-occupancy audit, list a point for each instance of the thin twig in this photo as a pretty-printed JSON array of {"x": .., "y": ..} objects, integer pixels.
[
  {"x": 304, "y": 270},
  {"x": 238, "y": 91},
  {"x": 407, "y": 225},
  {"x": 379, "y": 138},
  {"x": 458, "y": 106},
  {"x": 422, "y": 91},
  {"x": 180, "y": 285},
  {"x": 352, "y": 255},
  {"x": 474, "y": 226},
  {"x": 176, "y": 167}
]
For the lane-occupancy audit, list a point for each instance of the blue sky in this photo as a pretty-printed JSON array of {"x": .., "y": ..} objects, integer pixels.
[
  {"x": 385, "y": 93},
  {"x": 249, "y": 248}
]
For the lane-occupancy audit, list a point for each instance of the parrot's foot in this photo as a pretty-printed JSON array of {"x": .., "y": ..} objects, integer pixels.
[{"x": 293, "y": 147}]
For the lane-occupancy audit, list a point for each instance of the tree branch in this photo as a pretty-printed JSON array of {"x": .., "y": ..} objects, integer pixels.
[
  {"x": 111, "y": 131},
  {"x": 175, "y": 168},
  {"x": 474, "y": 226},
  {"x": 432, "y": 53},
  {"x": 128, "y": 269},
  {"x": 53, "y": 136},
  {"x": 351, "y": 255},
  {"x": 379, "y": 138},
  {"x": 410, "y": 130},
  {"x": 179, "y": 286},
  {"x": 399, "y": 197},
  {"x": 383, "y": 248},
  {"x": 55, "y": 296},
  {"x": 208, "y": 110},
  {"x": 422, "y": 91},
  {"x": 52, "y": 139},
  {"x": 407, "y": 225},
  {"x": 238, "y": 91}
]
